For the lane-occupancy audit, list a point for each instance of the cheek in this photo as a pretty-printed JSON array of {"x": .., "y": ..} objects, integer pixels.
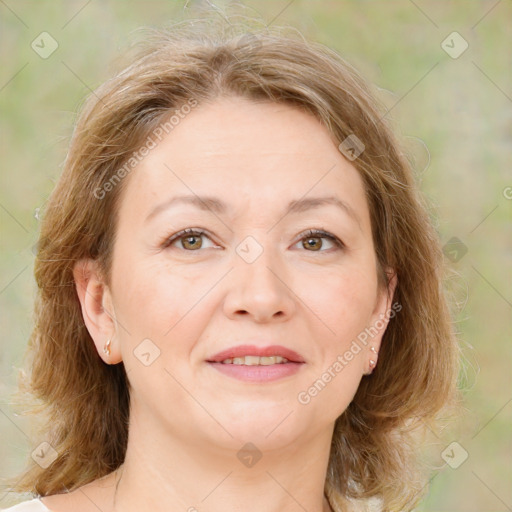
[
  {"x": 152, "y": 298},
  {"x": 344, "y": 301},
  {"x": 163, "y": 315},
  {"x": 162, "y": 302}
]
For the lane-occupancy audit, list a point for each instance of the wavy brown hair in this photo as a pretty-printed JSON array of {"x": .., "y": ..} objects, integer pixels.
[{"x": 373, "y": 452}]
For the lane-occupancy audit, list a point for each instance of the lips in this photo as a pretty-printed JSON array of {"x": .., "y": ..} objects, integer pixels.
[
  {"x": 253, "y": 350},
  {"x": 257, "y": 364}
]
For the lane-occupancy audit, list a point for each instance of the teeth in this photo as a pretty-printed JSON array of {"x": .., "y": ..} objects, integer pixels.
[{"x": 256, "y": 360}]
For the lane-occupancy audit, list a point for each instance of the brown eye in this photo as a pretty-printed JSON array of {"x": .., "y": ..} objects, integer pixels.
[
  {"x": 314, "y": 240},
  {"x": 191, "y": 240},
  {"x": 314, "y": 243}
]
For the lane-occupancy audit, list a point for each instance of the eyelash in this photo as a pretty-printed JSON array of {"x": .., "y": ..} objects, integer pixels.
[{"x": 310, "y": 233}]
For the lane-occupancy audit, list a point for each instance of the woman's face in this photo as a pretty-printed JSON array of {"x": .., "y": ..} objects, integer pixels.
[{"x": 254, "y": 275}]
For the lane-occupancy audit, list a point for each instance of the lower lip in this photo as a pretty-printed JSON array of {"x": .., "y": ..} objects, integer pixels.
[{"x": 258, "y": 373}]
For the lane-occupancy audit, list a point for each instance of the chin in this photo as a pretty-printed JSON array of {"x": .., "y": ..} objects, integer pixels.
[{"x": 264, "y": 429}]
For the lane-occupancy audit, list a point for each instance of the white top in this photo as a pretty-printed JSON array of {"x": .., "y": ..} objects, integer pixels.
[{"x": 35, "y": 505}]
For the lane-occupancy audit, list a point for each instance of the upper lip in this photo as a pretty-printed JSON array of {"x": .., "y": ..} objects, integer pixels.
[{"x": 253, "y": 350}]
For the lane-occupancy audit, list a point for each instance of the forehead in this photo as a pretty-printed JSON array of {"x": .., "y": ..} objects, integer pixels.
[{"x": 239, "y": 150}]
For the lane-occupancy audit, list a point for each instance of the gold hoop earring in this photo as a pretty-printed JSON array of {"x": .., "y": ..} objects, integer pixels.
[{"x": 106, "y": 348}]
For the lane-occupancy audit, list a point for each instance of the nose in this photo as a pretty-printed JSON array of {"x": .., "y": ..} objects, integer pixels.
[{"x": 261, "y": 289}]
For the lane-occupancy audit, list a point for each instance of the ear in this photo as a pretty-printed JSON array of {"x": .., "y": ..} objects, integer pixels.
[
  {"x": 384, "y": 310},
  {"x": 97, "y": 308}
]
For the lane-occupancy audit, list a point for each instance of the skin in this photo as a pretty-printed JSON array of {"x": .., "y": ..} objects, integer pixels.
[{"x": 187, "y": 420}]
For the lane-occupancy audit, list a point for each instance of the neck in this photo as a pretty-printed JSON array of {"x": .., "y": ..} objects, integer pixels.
[{"x": 164, "y": 473}]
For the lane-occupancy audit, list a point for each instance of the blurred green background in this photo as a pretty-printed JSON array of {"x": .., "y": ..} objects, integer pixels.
[{"x": 453, "y": 112}]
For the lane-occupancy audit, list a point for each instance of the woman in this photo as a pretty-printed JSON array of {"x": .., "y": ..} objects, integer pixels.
[{"x": 240, "y": 302}]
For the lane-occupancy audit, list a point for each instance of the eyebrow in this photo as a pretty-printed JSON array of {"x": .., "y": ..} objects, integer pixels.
[{"x": 215, "y": 205}]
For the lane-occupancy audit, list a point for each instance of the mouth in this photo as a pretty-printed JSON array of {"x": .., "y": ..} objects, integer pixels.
[
  {"x": 255, "y": 355},
  {"x": 255, "y": 360},
  {"x": 257, "y": 364}
]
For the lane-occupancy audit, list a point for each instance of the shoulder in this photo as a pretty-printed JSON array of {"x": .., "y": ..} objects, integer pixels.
[{"x": 34, "y": 505}]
